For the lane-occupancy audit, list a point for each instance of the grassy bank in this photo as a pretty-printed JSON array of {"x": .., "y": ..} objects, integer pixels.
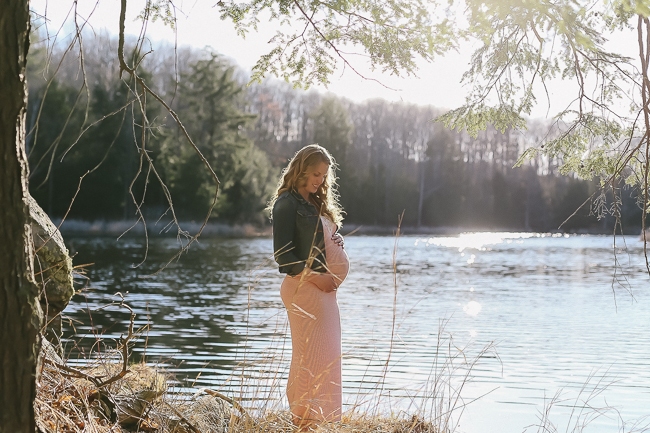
[{"x": 107, "y": 396}]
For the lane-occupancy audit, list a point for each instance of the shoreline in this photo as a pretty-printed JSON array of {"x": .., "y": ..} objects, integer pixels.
[{"x": 121, "y": 228}]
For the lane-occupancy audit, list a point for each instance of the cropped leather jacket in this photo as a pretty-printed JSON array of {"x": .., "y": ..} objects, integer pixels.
[{"x": 297, "y": 235}]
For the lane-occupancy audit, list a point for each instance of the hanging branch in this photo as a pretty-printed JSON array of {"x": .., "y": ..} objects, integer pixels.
[{"x": 140, "y": 82}]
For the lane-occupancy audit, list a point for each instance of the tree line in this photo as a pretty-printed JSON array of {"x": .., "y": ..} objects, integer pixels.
[{"x": 393, "y": 157}]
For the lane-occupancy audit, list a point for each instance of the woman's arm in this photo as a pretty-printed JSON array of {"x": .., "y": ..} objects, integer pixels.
[{"x": 284, "y": 224}]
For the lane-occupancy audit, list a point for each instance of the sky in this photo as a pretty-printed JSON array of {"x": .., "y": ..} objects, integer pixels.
[
  {"x": 438, "y": 83},
  {"x": 199, "y": 25}
]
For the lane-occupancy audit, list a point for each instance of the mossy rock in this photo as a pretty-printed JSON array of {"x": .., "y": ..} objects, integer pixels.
[{"x": 52, "y": 263}]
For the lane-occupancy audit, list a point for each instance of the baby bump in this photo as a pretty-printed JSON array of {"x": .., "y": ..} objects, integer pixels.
[{"x": 338, "y": 263}]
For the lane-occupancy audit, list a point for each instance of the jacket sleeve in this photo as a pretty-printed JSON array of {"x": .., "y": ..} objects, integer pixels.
[{"x": 284, "y": 225}]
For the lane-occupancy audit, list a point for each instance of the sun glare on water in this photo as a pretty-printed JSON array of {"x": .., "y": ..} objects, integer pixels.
[
  {"x": 472, "y": 308},
  {"x": 476, "y": 240}
]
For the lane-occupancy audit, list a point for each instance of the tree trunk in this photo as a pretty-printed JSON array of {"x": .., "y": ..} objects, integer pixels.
[
  {"x": 421, "y": 192},
  {"x": 20, "y": 314}
]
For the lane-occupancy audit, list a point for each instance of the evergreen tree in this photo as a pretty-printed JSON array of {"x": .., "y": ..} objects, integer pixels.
[{"x": 208, "y": 100}]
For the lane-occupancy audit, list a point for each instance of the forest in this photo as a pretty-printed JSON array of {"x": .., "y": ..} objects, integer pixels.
[{"x": 393, "y": 157}]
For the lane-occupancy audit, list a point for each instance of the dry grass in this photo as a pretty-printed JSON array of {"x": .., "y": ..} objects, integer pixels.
[
  {"x": 70, "y": 400},
  {"x": 111, "y": 395},
  {"x": 140, "y": 401}
]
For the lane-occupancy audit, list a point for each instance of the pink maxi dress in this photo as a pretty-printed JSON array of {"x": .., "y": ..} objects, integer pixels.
[{"x": 314, "y": 384}]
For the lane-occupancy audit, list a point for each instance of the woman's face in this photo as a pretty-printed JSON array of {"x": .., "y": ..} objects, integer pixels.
[{"x": 315, "y": 177}]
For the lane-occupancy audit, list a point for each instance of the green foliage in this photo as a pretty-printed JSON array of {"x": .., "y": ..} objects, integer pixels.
[
  {"x": 54, "y": 105},
  {"x": 392, "y": 157},
  {"x": 106, "y": 144},
  {"x": 162, "y": 10},
  {"x": 588, "y": 148},
  {"x": 60, "y": 154},
  {"x": 208, "y": 97},
  {"x": 525, "y": 46},
  {"x": 476, "y": 119},
  {"x": 316, "y": 36},
  {"x": 332, "y": 128},
  {"x": 528, "y": 42}
]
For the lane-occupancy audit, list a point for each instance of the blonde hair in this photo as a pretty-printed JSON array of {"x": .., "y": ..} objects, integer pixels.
[{"x": 326, "y": 197}]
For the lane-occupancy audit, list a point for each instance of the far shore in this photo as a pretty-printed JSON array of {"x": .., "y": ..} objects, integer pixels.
[{"x": 117, "y": 228}]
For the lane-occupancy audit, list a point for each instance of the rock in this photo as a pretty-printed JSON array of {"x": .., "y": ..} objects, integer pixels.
[
  {"x": 49, "y": 352},
  {"x": 209, "y": 414},
  {"x": 140, "y": 387},
  {"x": 130, "y": 398},
  {"x": 130, "y": 407},
  {"x": 52, "y": 269}
]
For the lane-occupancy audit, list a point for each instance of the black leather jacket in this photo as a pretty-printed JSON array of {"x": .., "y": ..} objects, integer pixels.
[{"x": 297, "y": 234}]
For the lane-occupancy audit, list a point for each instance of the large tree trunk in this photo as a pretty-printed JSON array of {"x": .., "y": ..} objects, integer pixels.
[{"x": 20, "y": 314}]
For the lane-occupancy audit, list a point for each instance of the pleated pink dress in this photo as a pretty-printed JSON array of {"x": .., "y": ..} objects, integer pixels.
[{"x": 314, "y": 384}]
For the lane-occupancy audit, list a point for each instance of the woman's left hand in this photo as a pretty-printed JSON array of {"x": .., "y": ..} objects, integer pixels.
[{"x": 338, "y": 239}]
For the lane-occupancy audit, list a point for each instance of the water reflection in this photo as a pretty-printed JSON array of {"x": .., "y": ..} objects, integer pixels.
[
  {"x": 188, "y": 313},
  {"x": 216, "y": 320}
]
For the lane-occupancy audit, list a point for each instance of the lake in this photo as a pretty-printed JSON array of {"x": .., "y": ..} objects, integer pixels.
[{"x": 483, "y": 331}]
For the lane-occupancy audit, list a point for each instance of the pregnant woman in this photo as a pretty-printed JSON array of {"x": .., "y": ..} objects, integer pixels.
[{"x": 308, "y": 248}]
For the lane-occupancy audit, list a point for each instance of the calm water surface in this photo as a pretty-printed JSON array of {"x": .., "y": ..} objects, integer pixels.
[{"x": 540, "y": 319}]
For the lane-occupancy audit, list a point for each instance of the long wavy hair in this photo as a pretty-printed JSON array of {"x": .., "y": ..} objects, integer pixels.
[{"x": 295, "y": 174}]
